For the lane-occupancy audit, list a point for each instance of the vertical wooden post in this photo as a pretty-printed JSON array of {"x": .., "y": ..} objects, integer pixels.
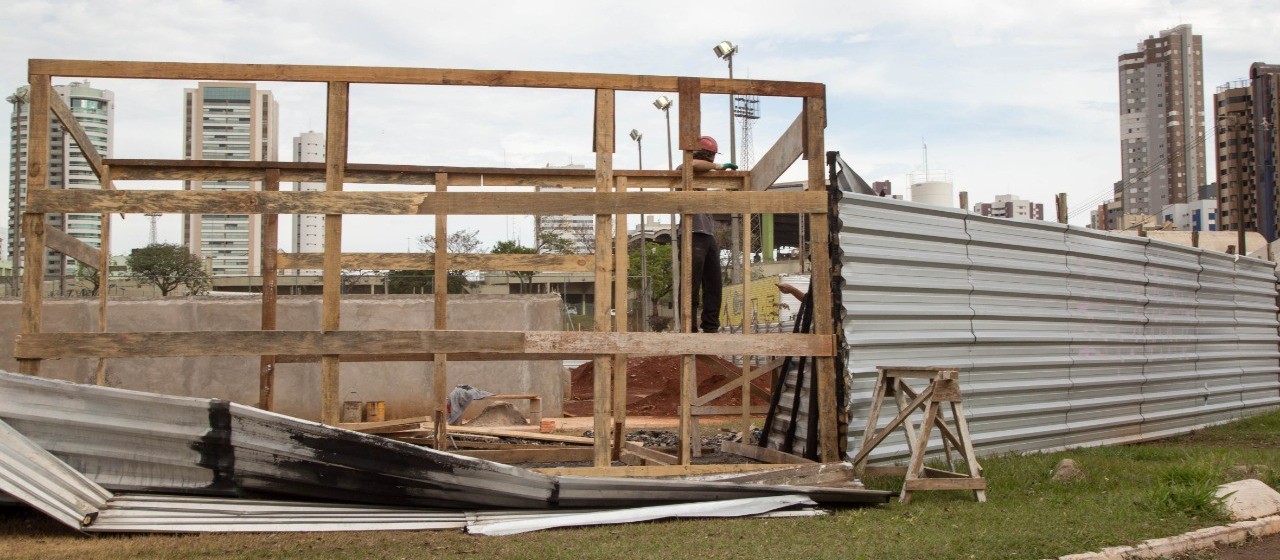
[
  {"x": 964, "y": 200},
  {"x": 690, "y": 93},
  {"x": 32, "y": 223},
  {"x": 1061, "y": 199},
  {"x": 1195, "y": 238},
  {"x": 270, "y": 293},
  {"x": 440, "y": 310},
  {"x": 621, "y": 268},
  {"x": 604, "y": 148},
  {"x": 815, "y": 109},
  {"x": 747, "y": 325},
  {"x": 335, "y": 167},
  {"x": 104, "y": 275}
]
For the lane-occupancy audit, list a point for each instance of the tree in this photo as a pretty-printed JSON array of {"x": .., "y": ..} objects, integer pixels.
[
  {"x": 86, "y": 276},
  {"x": 167, "y": 266},
  {"x": 462, "y": 242},
  {"x": 515, "y": 248},
  {"x": 659, "y": 257},
  {"x": 552, "y": 243}
]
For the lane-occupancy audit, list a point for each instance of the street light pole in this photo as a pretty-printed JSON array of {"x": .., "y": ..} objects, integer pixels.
[
  {"x": 726, "y": 50},
  {"x": 644, "y": 239},
  {"x": 663, "y": 103}
]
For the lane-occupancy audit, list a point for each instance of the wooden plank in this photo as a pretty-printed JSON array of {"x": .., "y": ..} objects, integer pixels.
[
  {"x": 335, "y": 162},
  {"x": 402, "y": 75},
  {"x": 811, "y": 474},
  {"x": 761, "y": 453},
  {"x": 104, "y": 279},
  {"x": 689, "y": 93},
  {"x": 440, "y": 319},
  {"x": 387, "y": 174},
  {"x": 621, "y": 268},
  {"x": 780, "y": 156},
  {"x": 657, "y": 471},
  {"x": 458, "y": 261},
  {"x": 824, "y": 321},
  {"x": 603, "y": 297},
  {"x": 270, "y": 293},
  {"x": 649, "y": 455},
  {"x": 544, "y": 455},
  {"x": 534, "y": 436},
  {"x": 685, "y": 320},
  {"x": 33, "y": 223},
  {"x": 705, "y": 410},
  {"x": 528, "y": 344},
  {"x": 82, "y": 252},
  {"x": 412, "y": 204},
  {"x": 363, "y": 426},
  {"x": 729, "y": 385},
  {"x": 80, "y": 137}
]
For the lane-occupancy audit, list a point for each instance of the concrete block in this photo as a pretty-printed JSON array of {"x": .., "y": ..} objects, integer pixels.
[{"x": 1249, "y": 499}]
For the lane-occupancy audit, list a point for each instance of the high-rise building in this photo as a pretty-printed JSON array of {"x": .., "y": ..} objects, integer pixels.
[
  {"x": 308, "y": 229},
  {"x": 93, "y": 109},
  {"x": 1012, "y": 207},
  {"x": 228, "y": 121},
  {"x": 1161, "y": 121},
  {"x": 1233, "y": 152},
  {"x": 1265, "y": 90}
]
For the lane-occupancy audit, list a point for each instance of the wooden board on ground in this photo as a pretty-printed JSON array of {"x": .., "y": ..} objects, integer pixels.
[
  {"x": 814, "y": 474},
  {"x": 559, "y": 454},
  {"x": 656, "y": 471},
  {"x": 761, "y": 453}
]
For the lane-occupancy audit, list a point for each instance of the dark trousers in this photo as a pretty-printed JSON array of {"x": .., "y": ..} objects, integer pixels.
[{"x": 706, "y": 282}]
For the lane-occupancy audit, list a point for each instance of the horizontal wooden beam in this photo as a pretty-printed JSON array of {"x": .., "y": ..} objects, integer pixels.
[
  {"x": 420, "y": 203},
  {"x": 544, "y": 455},
  {"x": 457, "y": 261},
  {"x": 62, "y": 242},
  {"x": 423, "y": 357},
  {"x": 258, "y": 343},
  {"x": 761, "y": 453},
  {"x": 402, "y": 75},
  {"x": 383, "y": 174}
]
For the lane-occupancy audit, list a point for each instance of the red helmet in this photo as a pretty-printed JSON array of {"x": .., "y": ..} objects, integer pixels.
[{"x": 708, "y": 143}]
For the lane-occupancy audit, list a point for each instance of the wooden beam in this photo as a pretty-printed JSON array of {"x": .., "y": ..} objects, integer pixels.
[
  {"x": 534, "y": 436},
  {"x": 815, "y": 109},
  {"x": 657, "y": 471},
  {"x": 270, "y": 293},
  {"x": 366, "y": 426},
  {"x": 621, "y": 268},
  {"x": 811, "y": 474},
  {"x": 685, "y": 320},
  {"x": 649, "y": 455},
  {"x": 335, "y": 162},
  {"x": 458, "y": 261},
  {"x": 189, "y": 71},
  {"x": 33, "y": 222},
  {"x": 440, "y": 319},
  {"x": 763, "y": 454},
  {"x": 81, "y": 138},
  {"x": 603, "y": 302},
  {"x": 386, "y": 174},
  {"x": 104, "y": 279},
  {"x": 530, "y": 344},
  {"x": 689, "y": 92},
  {"x": 413, "y": 204},
  {"x": 780, "y": 156},
  {"x": 707, "y": 410},
  {"x": 82, "y": 252},
  {"x": 544, "y": 455}
]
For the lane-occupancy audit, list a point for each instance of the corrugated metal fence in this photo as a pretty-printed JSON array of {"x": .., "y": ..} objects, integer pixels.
[{"x": 1065, "y": 336}]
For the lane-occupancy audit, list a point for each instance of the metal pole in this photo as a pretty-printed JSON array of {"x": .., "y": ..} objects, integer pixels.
[
  {"x": 735, "y": 221},
  {"x": 644, "y": 259},
  {"x": 671, "y": 232},
  {"x": 670, "y": 165}
]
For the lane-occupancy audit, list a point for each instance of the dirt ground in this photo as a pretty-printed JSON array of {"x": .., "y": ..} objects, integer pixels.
[
  {"x": 653, "y": 385},
  {"x": 1264, "y": 549}
]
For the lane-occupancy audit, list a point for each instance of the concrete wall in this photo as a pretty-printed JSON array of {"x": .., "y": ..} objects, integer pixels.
[{"x": 405, "y": 386}]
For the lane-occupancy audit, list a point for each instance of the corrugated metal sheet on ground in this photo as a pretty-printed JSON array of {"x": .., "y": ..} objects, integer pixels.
[{"x": 1065, "y": 336}]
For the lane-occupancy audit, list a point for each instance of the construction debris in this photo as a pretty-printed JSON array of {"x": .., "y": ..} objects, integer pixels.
[{"x": 84, "y": 453}]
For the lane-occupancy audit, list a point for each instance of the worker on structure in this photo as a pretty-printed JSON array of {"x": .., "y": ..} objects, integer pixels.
[{"x": 706, "y": 254}]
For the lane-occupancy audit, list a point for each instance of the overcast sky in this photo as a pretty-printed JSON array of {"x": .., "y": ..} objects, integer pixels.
[{"x": 1011, "y": 97}]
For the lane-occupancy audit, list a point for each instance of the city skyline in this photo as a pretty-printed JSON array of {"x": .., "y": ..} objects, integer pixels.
[{"x": 1001, "y": 93}]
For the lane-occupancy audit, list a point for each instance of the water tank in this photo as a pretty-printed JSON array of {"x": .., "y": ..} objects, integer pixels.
[{"x": 935, "y": 193}]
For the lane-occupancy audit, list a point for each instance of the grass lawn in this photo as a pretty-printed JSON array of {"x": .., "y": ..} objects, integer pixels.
[{"x": 1131, "y": 493}]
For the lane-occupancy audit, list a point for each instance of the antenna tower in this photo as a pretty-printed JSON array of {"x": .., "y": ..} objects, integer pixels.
[
  {"x": 154, "y": 217},
  {"x": 747, "y": 108}
]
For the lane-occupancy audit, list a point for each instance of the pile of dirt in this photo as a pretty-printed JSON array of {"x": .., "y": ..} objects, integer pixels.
[
  {"x": 499, "y": 413},
  {"x": 653, "y": 385}
]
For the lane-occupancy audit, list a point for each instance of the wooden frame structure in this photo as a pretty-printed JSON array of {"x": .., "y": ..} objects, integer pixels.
[{"x": 616, "y": 194}]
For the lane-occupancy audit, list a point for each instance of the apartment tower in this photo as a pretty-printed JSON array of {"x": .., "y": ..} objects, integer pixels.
[
  {"x": 93, "y": 109},
  {"x": 228, "y": 121},
  {"x": 308, "y": 229},
  {"x": 1161, "y": 122}
]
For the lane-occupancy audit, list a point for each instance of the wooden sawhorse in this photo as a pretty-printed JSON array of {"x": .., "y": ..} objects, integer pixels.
[{"x": 944, "y": 387}]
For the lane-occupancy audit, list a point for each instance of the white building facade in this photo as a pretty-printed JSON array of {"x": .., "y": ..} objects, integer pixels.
[
  {"x": 308, "y": 229},
  {"x": 228, "y": 121},
  {"x": 94, "y": 109}
]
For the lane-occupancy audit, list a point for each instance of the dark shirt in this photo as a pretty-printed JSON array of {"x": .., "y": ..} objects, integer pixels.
[{"x": 702, "y": 223}]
